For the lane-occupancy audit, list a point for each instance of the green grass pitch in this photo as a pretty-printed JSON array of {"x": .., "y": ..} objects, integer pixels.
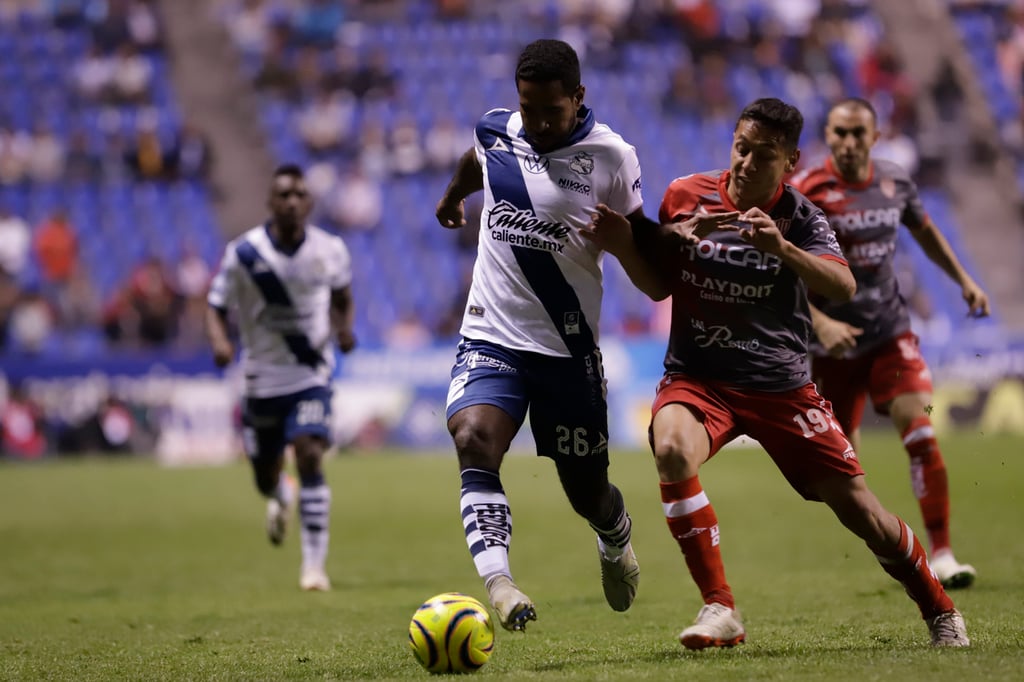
[{"x": 120, "y": 569}]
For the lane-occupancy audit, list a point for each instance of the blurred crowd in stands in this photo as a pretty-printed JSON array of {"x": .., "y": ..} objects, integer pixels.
[
  {"x": 45, "y": 286},
  {"x": 358, "y": 117},
  {"x": 993, "y": 32},
  {"x": 376, "y": 99},
  {"x": 355, "y": 109}
]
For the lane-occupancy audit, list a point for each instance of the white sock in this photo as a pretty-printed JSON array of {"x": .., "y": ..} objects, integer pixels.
[
  {"x": 284, "y": 493},
  {"x": 314, "y": 516},
  {"x": 487, "y": 521}
]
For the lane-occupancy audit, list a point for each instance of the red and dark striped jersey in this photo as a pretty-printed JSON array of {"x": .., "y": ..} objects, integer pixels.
[
  {"x": 866, "y": 218},
  {"x": 739, "y": 315}
]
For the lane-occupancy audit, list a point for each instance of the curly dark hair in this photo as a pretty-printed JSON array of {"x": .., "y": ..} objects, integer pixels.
[
  {"x": 547, "y": 60},
  {"x": 290, "y": 169}
]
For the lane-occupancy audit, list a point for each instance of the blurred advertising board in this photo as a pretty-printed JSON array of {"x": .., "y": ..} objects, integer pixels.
[{"x": 385, "y": 397}]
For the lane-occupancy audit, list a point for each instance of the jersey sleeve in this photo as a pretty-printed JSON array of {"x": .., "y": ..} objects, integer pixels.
[
  {"x": 625, "y": 191},
  {"x": 680, "y": 199},
  {"x": 914, "y": 214},
  {"x": 224, "y": 284},
  {"x": 341, "y": 266},
  {"x": 811, "y": 231},
  {"x": 809, "y": 183},
  {"x": 491, "y": 126}
]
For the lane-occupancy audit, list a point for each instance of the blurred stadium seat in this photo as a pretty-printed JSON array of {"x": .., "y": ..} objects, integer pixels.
[{"x": 442, "y": 68}]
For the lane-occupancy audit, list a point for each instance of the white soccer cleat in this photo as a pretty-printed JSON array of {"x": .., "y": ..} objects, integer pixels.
[
  {"x": 950, "y": 572},
  {"x": 620, "y": 577},
  {"x": 314, "y": 579},
  {"x": 716, "y": 626},
  {"x": 513, "y": 607},
  {"x": 278, "y": 513},
  {"x": 948, "y": 629}
]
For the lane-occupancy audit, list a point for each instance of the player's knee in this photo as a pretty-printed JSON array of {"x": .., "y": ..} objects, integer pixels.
[
  {"x": 676, "y": 458},
  {"x": 309, "y": 453},
  {"x": 476, "y": 445},
  {"x": 266, "y": 482},
  {"x": 907, "y": 408}
]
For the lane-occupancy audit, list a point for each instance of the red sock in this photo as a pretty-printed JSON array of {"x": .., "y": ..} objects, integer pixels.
[
  {"x": 908, "y": 563},
  {"x": 693, "y": 524},
  {"x": 928, "y": 476}
]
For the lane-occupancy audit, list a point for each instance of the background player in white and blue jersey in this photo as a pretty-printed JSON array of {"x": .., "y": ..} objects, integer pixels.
[
  {"x": 530, "y": 328},
  {"x": 288, "y": 285}
]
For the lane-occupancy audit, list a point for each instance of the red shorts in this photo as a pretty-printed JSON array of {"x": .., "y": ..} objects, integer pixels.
[
  {"x": 894, "y": 368},
  {"x": 795, "y": 427}
]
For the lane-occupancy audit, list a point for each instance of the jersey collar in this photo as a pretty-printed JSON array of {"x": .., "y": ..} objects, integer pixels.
[
  {"x": 280, "y": 248},
  {"x": 723, "y": 191},
  {"x": 584, "y": 124}
]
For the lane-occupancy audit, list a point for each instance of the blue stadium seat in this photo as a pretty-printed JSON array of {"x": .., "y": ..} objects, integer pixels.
[{"x": 447, "y": 56}]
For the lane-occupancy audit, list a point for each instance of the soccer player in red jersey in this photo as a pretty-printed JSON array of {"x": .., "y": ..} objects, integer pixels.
[
  {"x": 865, "y": 347},
  {"x": 738, "y": 251}
]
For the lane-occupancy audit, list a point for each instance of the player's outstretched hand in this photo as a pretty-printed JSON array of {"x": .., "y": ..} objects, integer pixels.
[
  {"x": 976, "y": 298},
  {"x": 608, "y": 229},
  {"x": 451, "y": 215},
  {"x": 346, "y": 340},
  {"x": 838, "y": 338},
  {"x": 223, "y": 353},
  {"x": 700, "y": 225}
]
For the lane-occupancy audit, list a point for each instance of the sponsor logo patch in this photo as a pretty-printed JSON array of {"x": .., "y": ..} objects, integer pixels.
[
  {"x": 574, "y": 186},
  {"x": 536, "y": 164},
  {"x": 571, "y": 323}
]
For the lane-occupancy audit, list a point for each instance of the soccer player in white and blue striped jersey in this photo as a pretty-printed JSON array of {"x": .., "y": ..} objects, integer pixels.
[
  {"x": 530, "y": 329},
  {"x": 289, "y": 287}
]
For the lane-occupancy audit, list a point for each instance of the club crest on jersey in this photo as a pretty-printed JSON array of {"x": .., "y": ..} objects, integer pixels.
[
  {"x": 582, "y": 163},
  {"x": 888, "y": 187},
  {"x": 536, "y": 164}
]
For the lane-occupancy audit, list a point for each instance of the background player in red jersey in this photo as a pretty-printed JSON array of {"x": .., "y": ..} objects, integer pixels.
[
  {"x": 737, "y": 362},
  {"x": 865, "y": 346}
]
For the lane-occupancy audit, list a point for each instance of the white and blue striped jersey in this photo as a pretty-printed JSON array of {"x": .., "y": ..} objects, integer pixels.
[
  {"x": 537, "y": 283},
  {"x": 282, "y": 304}
]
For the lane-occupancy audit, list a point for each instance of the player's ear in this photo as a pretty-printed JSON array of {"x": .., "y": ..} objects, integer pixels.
[
  {"x": 578, "y": 95},
  {"x": 792, "y": 160}
]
